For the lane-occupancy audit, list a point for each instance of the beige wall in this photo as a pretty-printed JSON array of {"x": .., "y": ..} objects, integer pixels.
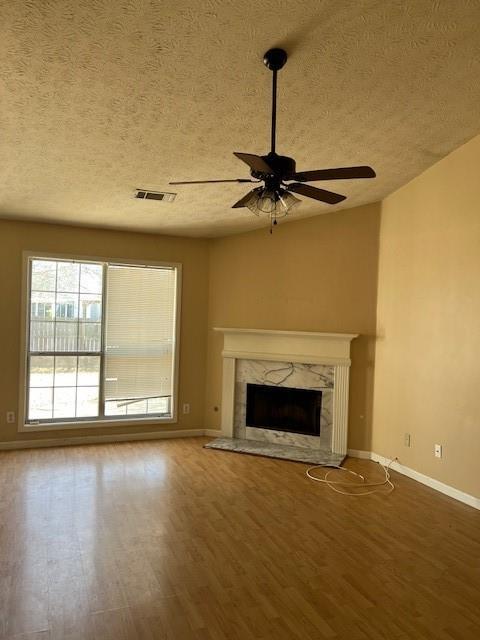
[
  {"x": 193, "y": 254},
  {"x": 318, "y": 274},
  {"x": 427, "y": 371}
]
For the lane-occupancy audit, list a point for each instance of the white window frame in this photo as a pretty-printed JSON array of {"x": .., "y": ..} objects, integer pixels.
[{"x": 23, "y": 426}]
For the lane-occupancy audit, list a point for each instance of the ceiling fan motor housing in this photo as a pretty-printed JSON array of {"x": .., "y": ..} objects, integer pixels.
[{"x": 282, "y": 166}]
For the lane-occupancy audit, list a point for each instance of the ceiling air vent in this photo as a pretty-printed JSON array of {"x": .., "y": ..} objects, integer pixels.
[{"x": 145, "y": 194}]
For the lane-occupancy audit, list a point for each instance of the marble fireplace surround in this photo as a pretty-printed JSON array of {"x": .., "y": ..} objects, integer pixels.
[{"x": 300, "y": 359}]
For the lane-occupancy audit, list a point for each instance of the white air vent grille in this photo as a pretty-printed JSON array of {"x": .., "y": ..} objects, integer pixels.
[{"x": 147, "y": 194}]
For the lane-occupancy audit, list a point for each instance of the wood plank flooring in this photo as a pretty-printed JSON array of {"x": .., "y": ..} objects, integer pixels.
[{"x": 157, "y": 540}]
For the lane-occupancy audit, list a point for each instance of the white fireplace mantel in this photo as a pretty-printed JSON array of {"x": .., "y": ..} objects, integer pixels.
[
  {"x": 305, "y": 347},
  {"x": 293, "y": 346}
]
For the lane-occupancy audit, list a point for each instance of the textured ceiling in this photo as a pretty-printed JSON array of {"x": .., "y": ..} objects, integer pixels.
[{"x": 101, "y": 96}]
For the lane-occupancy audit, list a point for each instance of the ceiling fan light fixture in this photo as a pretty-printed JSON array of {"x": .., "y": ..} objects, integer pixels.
[
  {"x": 276, "y": 203},
  {"x": 251, "y": 203},
  {"x": 258, "y": 202},
  {"x": 287, "y": 201},
  {"x": 267, "y": 201}
]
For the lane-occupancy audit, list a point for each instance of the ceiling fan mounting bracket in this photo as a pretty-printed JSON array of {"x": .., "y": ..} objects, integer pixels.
[{"x": 275, "y": 59}]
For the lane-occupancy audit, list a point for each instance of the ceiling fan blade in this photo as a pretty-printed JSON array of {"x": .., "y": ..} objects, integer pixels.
[
  {"x": 212, "y": 181},
  {"x": 254, "y": 162},
  {"x": 342, "y": 173},
  {"x": 317, "y": 194},
  {"x": 243, "y": 201}
]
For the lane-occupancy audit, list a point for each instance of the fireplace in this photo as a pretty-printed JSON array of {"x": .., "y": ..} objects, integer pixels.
[
  {"x": 284, "y": 409},
  {"x": 300, "y": 360}
]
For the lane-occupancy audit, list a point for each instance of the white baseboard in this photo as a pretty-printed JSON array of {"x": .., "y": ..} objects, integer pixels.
[
  {"x": 446, "y": 489},
  {"x": 466, "y": 498},
  {"x": 212, "y": 433},
  {"x": 358, "y": 453},
  {"x": 96, "y": 439}
]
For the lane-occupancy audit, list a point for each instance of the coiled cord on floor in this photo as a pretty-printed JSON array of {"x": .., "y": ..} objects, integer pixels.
[{"x": 374, "y": 487}]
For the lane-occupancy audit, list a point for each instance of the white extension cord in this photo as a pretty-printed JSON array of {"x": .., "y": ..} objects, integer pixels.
[{"x": 374, "y": 487}]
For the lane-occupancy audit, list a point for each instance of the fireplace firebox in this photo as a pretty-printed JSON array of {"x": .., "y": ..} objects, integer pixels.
[{"x": 284, "y": 409}]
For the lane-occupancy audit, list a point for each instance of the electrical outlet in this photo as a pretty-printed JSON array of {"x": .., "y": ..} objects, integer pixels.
[
  {"x": 407, "y": 440},
  {"x": 186, "y": 408},
  {"x": 10, "y": 417},
  {"x": 438, "y": 450}
]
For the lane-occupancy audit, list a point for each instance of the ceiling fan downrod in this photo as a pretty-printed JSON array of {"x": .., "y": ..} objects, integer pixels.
[{"x": 274, "y": 60}]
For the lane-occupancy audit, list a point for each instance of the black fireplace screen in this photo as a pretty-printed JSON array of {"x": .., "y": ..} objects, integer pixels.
[{"x": 284, "y": 409}]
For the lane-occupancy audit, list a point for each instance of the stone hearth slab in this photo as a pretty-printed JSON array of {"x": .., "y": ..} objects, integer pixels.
[{"x": 281, "y": 451}]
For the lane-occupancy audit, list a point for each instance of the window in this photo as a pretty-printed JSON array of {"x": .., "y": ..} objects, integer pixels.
[{"x": 101, "y": 341}]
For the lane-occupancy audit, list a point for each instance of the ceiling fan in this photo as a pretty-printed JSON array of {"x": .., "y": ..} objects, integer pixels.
[{"x": 278, "y": 173}]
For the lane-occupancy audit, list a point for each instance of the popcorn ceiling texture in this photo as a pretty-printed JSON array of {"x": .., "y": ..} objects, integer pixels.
[{"x": 102, "y": 96}]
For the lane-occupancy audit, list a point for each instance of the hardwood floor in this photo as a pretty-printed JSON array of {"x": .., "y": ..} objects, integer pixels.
[{"x": 166, "y": 539}]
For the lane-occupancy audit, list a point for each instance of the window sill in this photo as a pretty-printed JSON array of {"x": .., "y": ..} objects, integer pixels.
[{"x": 97, "y": 424}]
